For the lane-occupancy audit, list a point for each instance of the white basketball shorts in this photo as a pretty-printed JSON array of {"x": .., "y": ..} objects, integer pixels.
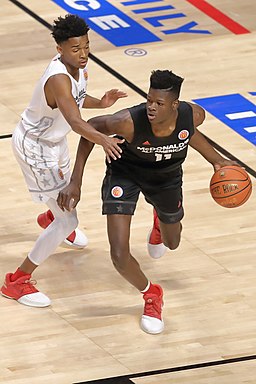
[{"x": 45, "y": 165}]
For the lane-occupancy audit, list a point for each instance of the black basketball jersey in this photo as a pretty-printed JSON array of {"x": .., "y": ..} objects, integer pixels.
[{"x": 160, "y": 154}]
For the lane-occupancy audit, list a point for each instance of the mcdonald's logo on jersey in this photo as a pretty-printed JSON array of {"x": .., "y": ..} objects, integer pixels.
[
  {"x": 183, "y": 134},
  {"x": 85, "y": 74}
]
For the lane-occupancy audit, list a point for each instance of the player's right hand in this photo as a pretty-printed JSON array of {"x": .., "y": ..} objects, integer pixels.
[{"x": 111, "y": 148}]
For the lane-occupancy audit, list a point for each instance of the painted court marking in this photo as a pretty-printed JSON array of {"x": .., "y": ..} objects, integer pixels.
[
  {"x": 219, "y": 16},
  {"x": 235, "y": 111},
  {"x": 240, "y": 115}
]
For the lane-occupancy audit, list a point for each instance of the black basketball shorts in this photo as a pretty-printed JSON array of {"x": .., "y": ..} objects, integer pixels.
[{"x": 120, "y": 193}]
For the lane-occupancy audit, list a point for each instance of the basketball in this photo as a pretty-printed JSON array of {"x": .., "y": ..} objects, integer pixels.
[{"x": 230, "y": 186}]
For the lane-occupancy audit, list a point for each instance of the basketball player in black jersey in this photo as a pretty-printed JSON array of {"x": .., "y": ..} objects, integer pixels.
[{"x": 157, "y": 134}]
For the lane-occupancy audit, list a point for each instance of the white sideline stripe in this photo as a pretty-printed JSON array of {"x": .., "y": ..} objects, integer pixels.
[
  {"x": 240, "y": 115},
  {"x": 250, "y": 129}
]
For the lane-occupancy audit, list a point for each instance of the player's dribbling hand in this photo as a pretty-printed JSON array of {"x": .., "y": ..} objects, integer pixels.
[
  {"x": 224, "y": 163},
  {"x": 69, "y": 197},
  {"x": 111, "y": 147}
]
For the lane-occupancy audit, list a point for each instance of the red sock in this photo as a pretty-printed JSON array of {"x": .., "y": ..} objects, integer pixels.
[
  {"x": 156, "y": 221},
  {"x": 19, "y": 273},
  {"x": 152, "y": 289}
]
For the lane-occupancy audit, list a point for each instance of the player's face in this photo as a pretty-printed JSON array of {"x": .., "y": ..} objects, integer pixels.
[
  {"x": 161, "y": 105},
  {"x": 74, "y": 52}
]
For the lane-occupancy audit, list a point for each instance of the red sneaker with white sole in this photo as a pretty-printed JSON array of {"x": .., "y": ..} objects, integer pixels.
[
  {"x": 155, "y": 245},
  {"x": 23, "y": 290},
  {"x": 76, "y": 239},
  {"x": 151, "y": 320}
]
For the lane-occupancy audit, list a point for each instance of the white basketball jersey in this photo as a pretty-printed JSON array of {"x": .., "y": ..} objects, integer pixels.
[{"x": 42, "y": 122}]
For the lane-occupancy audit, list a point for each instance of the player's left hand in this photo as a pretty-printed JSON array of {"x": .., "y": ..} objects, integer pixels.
[{"x": 111, "y": 97}]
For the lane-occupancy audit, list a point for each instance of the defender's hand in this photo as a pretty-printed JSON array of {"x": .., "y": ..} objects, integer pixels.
[
  {"x": 111, "y": 147},
  {"x": 111, "y": 97}
]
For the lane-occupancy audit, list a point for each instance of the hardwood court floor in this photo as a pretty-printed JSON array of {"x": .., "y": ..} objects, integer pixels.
[{"x": 91, "y": 331}]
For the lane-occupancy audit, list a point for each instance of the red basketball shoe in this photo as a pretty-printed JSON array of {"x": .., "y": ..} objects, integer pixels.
[
  {"x": 156, "y": 248},
  {"x": 76, "y": 239},
  {"x": 23, "y": 290},
  {"x": 151, "y": 320}
]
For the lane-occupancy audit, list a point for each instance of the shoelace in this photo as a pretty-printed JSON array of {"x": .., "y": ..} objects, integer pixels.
[
  {"x": 27, "y": 286},
  {"x": 153, "y": 306}
]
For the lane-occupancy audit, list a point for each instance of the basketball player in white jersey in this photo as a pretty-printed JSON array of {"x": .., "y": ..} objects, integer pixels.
[{"x": 40, "y": 146}]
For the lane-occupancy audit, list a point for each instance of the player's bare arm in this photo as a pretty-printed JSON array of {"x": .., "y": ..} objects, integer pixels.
[
  {"x": 200, "y": 143},
  {"x": 198, "y": 114},
  {"x": 119, "y": 123},
  {"x": 58, "y": 95}
]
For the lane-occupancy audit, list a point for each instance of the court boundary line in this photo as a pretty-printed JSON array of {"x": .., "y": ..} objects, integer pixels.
[
  {"x": 170, "y": 370},
  {"x": 114, "y": 73},
  {"x": 8, "y": 136}
]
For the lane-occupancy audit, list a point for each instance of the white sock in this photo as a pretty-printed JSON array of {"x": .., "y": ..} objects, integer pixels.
[{"x": 147, "y": 287}]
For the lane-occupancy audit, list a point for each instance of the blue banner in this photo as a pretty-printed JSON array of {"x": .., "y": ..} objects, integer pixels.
[{"x": 109, "y": 22}]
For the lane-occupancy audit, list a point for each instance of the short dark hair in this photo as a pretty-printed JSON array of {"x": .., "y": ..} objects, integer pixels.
[
  {"x": 69, "y": 26},
  {"x": 166, "y": 80}
]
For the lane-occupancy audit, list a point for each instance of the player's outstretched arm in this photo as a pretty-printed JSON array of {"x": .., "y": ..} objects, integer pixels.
[
  {"x": 58, "y": 94},
  {"x": 119, "y": 123}
]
